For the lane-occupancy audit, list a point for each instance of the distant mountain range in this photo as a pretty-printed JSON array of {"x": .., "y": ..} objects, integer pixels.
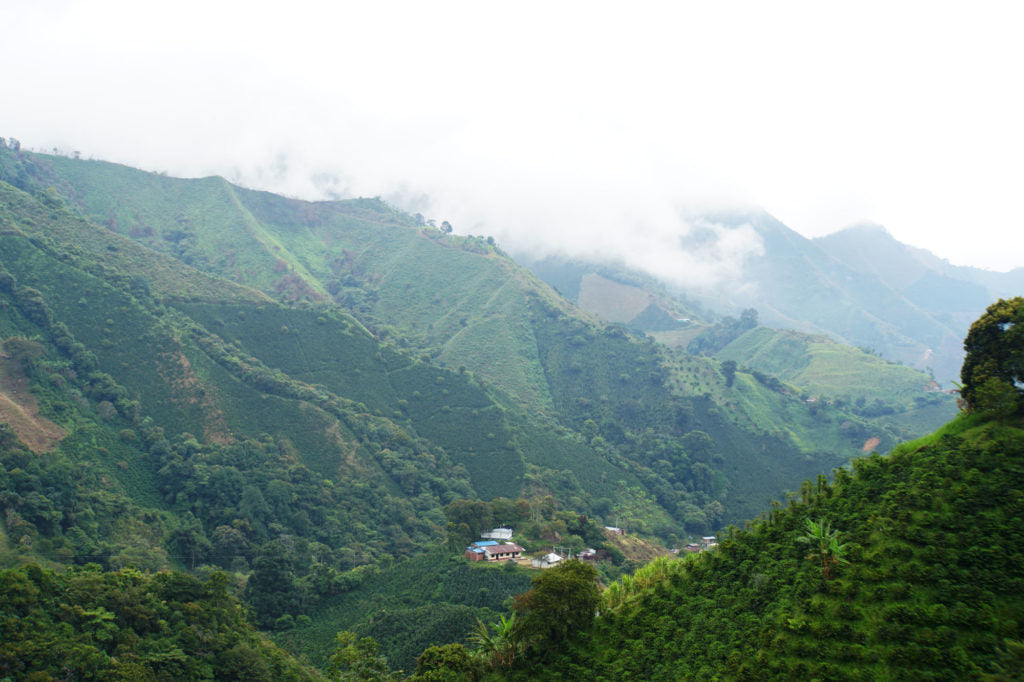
[{"x": 859, "y": 286}]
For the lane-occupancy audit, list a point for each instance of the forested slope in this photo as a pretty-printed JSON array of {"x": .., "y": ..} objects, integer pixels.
[
  {"x": 458, "y": 301},
  {"x": 927, "y": 583},
  {"x": 127, "y": 625}
]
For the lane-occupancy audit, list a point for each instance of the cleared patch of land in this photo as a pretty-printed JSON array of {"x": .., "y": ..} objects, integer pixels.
[
  {"x": 610, "y": 300},
  {"x": 636, "y": 549},
  {"x": 19, "y": 410}
]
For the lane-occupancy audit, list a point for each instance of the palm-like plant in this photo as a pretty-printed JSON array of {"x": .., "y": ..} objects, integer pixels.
[
  {"x": 500, "y": 648},
  {"x": 825, "y": 545}
]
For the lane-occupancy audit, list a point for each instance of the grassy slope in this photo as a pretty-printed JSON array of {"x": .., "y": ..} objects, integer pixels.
[
  {"x": 187, "y": 389},
  {"x": 933, "y": 586},
  {"x": 833, "y": 373},
  {"x": 452, "y": 294},
  {"x": 456, "y": 297},
  {"x": 197, "y": 221},
  {"x": 463, "y": 307},
  {"x": 108, "y": 254},
  {"x": 148, "y": 351},
  {"x": 612, "y": 300},
  {"x": 815, "y": 366},
  {"x": 819, "y": 365},
  {"x": 770, "y": 412}
]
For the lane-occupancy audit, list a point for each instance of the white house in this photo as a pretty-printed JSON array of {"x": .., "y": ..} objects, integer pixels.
[
  {"x": 546, "y": 561},
  {"x": 498, "y": 534},
  {"x": 490, "y": 550}
]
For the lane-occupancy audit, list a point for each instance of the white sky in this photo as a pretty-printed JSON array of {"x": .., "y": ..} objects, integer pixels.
[{"x": 556, "y": 123}]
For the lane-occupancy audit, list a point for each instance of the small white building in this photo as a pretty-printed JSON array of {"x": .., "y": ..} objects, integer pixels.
[
  {"x": 546, "y": 561},
  {"x": 498, "y": 534}
]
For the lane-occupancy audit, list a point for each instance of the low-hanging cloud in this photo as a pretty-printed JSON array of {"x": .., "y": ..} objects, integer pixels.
[
  {"x": 553, "y": 128},
  {"x": 540, "y": 188}
]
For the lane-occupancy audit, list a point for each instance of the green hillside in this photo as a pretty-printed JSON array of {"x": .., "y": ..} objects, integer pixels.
[
  {"x": 454, "y": 296},
  {"x": 903, "y": 567},
  {"x": 201, "y": 377},
  {"x": 819, "y": 366},
  {"x": 137, "y": 388},
  {"x": 929, "y": 587},
  {"x": 885, "y": 396},
  {"x": 462, "y": 303}
]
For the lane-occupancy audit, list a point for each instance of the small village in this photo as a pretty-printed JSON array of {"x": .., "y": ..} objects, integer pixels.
[{"x": 497, "y": 545}]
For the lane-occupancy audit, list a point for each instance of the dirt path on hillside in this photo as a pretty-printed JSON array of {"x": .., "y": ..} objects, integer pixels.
[{"x": 20, "y": 411}]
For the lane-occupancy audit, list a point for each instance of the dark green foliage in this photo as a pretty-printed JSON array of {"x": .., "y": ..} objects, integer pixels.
[
  {"x": 448, "y": 662},
  {"x": 272, "y": 589},
  {"x": 357, "y": 659},
  {"x": 560, "y": 605},
  {"x": 729, "y": 371},
  {"x": 993, "y": 370},
  {"x": 87, "y": 624},
  {"x": 405, "y": 632},
  {"x": 408, "y": 606},
  {"x": 932, "y": 588}
]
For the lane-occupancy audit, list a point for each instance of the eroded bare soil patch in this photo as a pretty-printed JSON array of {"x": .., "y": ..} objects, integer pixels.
[{"x": 20, "y": 411}]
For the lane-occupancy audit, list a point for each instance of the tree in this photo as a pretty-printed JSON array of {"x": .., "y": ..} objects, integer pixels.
[
  {"x": 698, "y": 445},
  {"x": 271, "y": 588},
  {"x": 357, "y": 659},
  {"x": 997, "y": 399},
  {"x": 189, "y": 541},
  {"x": 748, "y": 318},
  {"x": 501, "y": 648},
  {"x": 993, "y": 369},
  {"x": 446, "y": 227},
  {"x": 714, "y": 511},
  {"x": 476, "y": 514},
  {"x": 22, "y": 350},
  {"x": 561, "y": 603},
  {"x": 825, "y": 545},
  {"x": 445, "y": 663},
  {"x": 729, "y": 371}
]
